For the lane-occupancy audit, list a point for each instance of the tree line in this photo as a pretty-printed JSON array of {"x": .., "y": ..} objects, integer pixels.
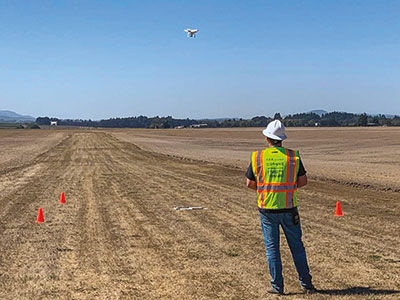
[
  {"x": 131, "y": 122},
  {"x": 296, "y": 120}
]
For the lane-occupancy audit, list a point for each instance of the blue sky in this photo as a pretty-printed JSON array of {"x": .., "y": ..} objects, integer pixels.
[{"x": 101, "y": 59}]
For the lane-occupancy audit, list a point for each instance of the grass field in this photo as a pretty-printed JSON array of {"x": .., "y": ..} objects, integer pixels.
[
  {"x": 118, "y": 237},
  {"x": 8, "y": 125}
]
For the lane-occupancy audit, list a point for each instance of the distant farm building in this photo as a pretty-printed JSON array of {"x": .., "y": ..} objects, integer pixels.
[
  {"x": 198, "y": 125},
  {"x": 53, "y": 123}
]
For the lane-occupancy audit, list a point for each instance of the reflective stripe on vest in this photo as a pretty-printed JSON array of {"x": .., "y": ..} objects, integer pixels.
[
  {"x": 276, "y": 185},
  {"x": 291, "y": 162}
]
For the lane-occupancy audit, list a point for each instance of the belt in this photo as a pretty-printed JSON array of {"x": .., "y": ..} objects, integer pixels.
[{"x": 278, "y": 211}]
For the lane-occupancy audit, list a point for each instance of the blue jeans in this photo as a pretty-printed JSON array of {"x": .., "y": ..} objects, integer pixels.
[{"x": 270, "y": 226}]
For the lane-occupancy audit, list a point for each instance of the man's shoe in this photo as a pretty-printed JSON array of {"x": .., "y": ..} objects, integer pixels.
[
  {"x": 275, "y": 292},
  {"x": 310, "y": 290}
]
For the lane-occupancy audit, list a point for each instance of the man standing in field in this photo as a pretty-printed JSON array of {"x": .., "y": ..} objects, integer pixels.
[{"x": 276, "y": 173}]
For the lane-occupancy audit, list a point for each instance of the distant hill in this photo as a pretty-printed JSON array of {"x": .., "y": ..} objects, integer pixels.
[
  {"x": 217, "y": 119},
  {"x": 7, "y": 116},
  {"x": 319, "y": 112},
  {"x": 389, "y": 116}
]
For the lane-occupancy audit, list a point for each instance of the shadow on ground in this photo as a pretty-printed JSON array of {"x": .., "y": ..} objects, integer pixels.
[{"x": 358, "y": 291}]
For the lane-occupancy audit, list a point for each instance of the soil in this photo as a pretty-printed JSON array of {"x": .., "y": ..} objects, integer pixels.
[{"x": 118, "y": 236}]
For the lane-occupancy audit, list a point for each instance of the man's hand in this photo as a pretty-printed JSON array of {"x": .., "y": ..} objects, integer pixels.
[
  {"x": 301, "y": 181},
  {"x": 251, "y": 184}
]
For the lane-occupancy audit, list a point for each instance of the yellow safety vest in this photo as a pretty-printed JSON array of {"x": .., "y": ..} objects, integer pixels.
[{"x": 276, "y": 170}]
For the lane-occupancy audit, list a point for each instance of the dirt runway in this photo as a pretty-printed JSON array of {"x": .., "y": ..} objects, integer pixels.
[{"x": 118, "y": 236}]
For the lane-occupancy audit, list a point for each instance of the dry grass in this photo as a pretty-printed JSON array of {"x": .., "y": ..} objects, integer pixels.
[
  {"x": 366, "y": 156},
  {"x": 119, "y": 238},
  {"x": 17, "y": 147}
]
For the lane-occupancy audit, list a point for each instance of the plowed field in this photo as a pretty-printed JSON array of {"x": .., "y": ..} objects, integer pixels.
[{"x": 118, "y": 236}]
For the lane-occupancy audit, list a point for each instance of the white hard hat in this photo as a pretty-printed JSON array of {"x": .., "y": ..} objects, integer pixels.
[{"x": 275, "y": 130}]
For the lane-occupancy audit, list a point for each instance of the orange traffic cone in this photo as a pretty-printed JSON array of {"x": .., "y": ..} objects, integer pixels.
[
  {"x": 338, "y": 210},
  {"x": 62, "y": 198},
  {"x": 40, "y": 218}
]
